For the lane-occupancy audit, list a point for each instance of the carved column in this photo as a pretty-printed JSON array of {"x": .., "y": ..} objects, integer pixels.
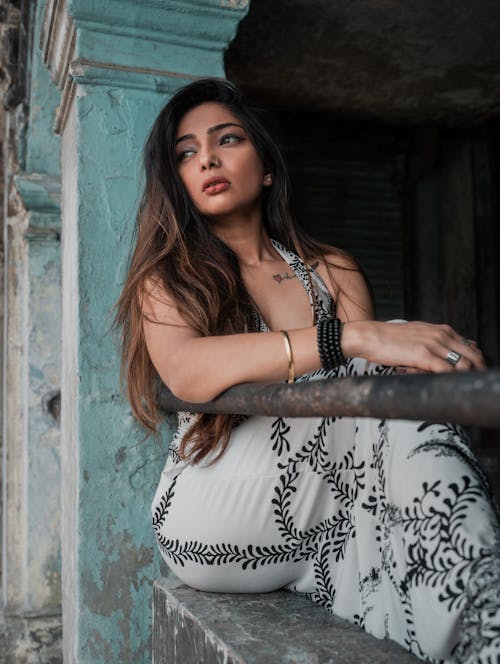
[
  {"x": 31, "y": 571},
  {"x": 30, "y": 610},
  {"x": 116, "y": 63}
]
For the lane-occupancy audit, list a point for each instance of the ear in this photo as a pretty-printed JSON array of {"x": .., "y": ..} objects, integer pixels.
[{"x": 268, "y": 180}]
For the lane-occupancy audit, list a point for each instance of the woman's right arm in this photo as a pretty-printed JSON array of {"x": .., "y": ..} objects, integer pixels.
[{"x": 197, "y": 369}]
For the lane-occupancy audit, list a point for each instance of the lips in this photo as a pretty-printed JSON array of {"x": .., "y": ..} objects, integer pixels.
[{"x": 215, "y": 185}]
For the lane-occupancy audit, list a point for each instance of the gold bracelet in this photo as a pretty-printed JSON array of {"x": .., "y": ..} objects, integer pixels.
[{"x": 289, "y": 354}]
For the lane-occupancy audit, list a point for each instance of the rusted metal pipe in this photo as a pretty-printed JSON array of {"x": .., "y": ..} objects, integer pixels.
[{"x": 471, "y": 398}]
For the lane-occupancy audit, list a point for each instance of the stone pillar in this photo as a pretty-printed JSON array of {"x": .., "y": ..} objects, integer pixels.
[
  {"x": 115, "y": 63},
  {"x": 30, "y": 612},
  {"x": 31, "y": 571}
]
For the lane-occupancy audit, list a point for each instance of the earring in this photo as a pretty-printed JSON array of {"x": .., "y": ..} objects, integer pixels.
[{"x": 268, "y": 179}]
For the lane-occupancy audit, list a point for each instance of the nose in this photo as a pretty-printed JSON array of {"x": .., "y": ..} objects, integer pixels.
[{"x": 209, "y": 159}]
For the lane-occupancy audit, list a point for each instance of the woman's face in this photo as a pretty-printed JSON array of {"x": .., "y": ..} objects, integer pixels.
[{"x": 217, "y": 162}]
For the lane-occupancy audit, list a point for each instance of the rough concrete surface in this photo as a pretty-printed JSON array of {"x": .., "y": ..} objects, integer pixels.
[
  {"x": 215, "y": 628},
  {"x": 36, "y": 640},
  {"x": 386, "y": 60}
]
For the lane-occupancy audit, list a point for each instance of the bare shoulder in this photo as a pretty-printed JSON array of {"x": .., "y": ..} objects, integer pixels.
[
  {"x": 157, "y": 305},
  {"x": 340, "y": 260},
  {"x": 347, "y": 284},
  {"x": 338, "y": 268}
]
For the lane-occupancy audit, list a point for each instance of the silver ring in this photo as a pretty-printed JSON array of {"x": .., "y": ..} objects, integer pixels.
[{"x": 453, "y": 358}]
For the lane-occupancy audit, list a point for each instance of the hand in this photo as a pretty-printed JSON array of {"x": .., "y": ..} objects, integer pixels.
[{"x": 415, "y": 346}]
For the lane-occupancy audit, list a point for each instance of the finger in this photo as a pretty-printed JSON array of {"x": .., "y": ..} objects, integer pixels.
[
  {"x": 442, "y": 353},
  {"x": 435, "y": 358},
  {"x": 469, "y": 342},
  {"x": 480, "y": 361},
  {"x": 473, "y": 354},
  {"x": 464, "y": 364},
  {"x": 473, "y": 345},
  {"x": 468, "y": 349},
  {"x": 461, "y": 359}
]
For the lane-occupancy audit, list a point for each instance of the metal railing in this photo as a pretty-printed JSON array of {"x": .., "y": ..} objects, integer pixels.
[{"x": 471, "y": 398}]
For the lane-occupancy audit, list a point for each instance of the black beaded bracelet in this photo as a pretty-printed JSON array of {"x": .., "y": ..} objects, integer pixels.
[{"x": 329, "y": 334}]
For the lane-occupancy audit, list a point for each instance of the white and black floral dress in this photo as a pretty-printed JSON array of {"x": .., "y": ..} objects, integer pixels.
[{"x": 387, "y": 523}]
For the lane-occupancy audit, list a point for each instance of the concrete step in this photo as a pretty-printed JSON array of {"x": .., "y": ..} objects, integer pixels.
[{"x": 193, "y": 627}]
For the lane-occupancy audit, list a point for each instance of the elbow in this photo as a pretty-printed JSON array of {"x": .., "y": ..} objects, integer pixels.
[
  {"x": 191, "y": 392},
  {"x": 189, "y": 386}
]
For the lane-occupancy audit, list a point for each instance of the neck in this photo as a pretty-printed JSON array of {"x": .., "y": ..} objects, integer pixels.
[{"x": 248, "y": 239}]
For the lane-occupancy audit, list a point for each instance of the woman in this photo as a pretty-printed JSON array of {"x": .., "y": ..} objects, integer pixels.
[{"x": 385, "y": 523}]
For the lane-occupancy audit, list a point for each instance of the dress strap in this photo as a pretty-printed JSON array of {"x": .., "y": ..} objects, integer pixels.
[{"x": 316, "y": 289}]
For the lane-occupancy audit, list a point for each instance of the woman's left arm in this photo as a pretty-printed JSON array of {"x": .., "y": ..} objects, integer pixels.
[{"x": 416, "y": 345}]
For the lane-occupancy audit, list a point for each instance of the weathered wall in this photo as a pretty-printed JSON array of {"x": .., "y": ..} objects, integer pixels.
[
  {"x": 109, "y": 555},
  {"x": 31, "y": 562},
  {"x": 116, "y": 65},
  {"x": 9, "y": 26}
]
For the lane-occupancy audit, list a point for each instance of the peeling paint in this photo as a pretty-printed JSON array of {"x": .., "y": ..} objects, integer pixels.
[
  {"x": 113, "y": 597},
  {"x": 235, "y": 4},
  {"x": 30, "y": 630},
  {"x": 120, "y": 456},
  {"x": 125, "y": 63},
  {"x": 35, "y": 640}
]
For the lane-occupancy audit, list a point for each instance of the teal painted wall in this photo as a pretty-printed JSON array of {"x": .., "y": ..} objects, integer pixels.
[
  {"x": 31, "y": 492},
  {"x": 116, "y": 558},
  {"x": 30, "y": 605},
  {"x": 116, "y": 550},
  {"x": 40, "y": 191},
  {"x": 43, "y": 476},
  {"x": 43, "y": 147}
]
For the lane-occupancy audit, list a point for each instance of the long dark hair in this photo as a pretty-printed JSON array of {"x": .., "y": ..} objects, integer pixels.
[{"x": 174, "y": 244}]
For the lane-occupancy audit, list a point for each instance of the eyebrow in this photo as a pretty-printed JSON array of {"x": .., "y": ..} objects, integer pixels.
[{"x": 211, "y": 130}]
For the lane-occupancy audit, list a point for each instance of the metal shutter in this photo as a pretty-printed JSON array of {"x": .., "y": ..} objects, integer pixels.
[{"x": 354, "y": 204}]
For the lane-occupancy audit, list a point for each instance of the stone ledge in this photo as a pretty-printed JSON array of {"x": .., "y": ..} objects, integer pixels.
[
  {"x": 33, "y": 639},
  {"x": 192, "y": 627}
]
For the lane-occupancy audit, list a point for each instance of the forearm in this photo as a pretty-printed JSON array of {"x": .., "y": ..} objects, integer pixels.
[{"x": 204, "y": 367}]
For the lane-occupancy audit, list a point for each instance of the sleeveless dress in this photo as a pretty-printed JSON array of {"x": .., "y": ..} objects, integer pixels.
[{"x": 387, "y": 523}]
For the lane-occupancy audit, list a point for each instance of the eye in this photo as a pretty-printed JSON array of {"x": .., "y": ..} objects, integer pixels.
[
  {"x": 185, "y": 154},
  {"x": 229, "y": 138}
]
